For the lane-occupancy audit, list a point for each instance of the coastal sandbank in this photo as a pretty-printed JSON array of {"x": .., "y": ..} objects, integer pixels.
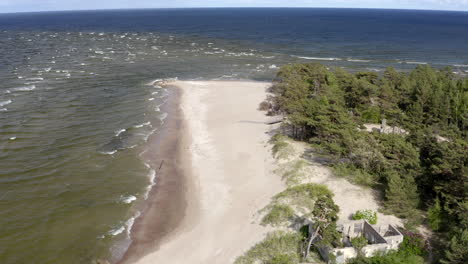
[{"x": 229, "y": 176}]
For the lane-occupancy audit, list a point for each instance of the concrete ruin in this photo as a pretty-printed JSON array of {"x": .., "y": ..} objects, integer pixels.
[{"x": 381, "y": 239}]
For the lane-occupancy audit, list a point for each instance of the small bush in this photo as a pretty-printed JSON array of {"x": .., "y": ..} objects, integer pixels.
[
  {"x": 279, "y": 213},
  {"x": 277, "y": 246},
  {"x": 413, "y": 244},
  {"x": 355, "y": 175},
  {"x": 281, "y": 149},
  {"x": 292, "y": 172},
  {"x": 368, "y": 215},
  {"x": 359, "y": 243}
]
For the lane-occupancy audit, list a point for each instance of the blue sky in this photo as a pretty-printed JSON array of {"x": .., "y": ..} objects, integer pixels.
[{"x": 43, "y": 5}]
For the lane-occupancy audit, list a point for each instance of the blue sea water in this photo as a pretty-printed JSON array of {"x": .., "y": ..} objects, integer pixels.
[{"x": 77, "y": 104}]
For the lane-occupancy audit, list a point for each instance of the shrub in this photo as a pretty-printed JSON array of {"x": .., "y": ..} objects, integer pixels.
[
  {"x": 355, "y": 175},
  {"x": 413, "y": 244},
  {"x": 277, "y": 246},
  {"x": 281, "y": 149},
  {"x": 368, "y": 215},
  {"x": 434, "y": 216},
  {"x": 279, "y": 213},
  {"x": 359, "y": 243}
]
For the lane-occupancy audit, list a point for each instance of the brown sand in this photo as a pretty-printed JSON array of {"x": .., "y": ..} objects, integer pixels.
[{"x": 169, "y": 192}]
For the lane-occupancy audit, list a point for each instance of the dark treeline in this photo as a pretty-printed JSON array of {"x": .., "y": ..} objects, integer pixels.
[{"x": 420, "y": 165}]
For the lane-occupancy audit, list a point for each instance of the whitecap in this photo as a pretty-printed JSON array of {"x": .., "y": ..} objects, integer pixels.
[
  {"x": 12, "y": 138},
  {"x": 416, "y": 62},
  {"x": 151, "y": 99},
  {"x": 3, "y": 109},
  {"x": 116, "y": 231},
  {"x": 152, "y": 179},
  {"x": 128, "y": 199},
  {"x": 461, "y": 65},
  {"x": 108, "y": 152},
  {"x": 273, "y": 66},
  {"x": 24, "y": 88},
  {"x": 357, "y": 60},
  {"x": 35, "y": 79},
  {"x": 3, "y": 103},
  {"x": 142, "y": 125},
  {"x": 163, "y": 116},
  {"x": 317, "y": 58},
  {"x": 130, "y": 223},
  {"x": 117, "y": 133}
]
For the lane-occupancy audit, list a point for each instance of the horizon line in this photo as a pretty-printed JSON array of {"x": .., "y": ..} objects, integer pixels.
[{"x": 228, "y": 7}]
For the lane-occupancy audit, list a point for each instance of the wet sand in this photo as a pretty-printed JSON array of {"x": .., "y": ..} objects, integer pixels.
[{"x": 166, "y": 205}]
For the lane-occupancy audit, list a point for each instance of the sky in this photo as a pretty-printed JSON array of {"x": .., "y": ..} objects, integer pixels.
[{"x": 7, "y": 6}]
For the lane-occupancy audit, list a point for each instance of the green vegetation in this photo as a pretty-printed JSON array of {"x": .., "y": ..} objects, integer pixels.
[
  {"x": 411, "y": 251},
  {"x": 281, "y": 148},
  {"x": 421, "y": 170},
  {"x": 310, "y": 202},
  {"x": 278, "y": 247},
  {"x": 359, "y": 243},
  {"x": 292, "y": 172},
  {"x": 278, "y": 214},
  {"x": 368, "y": 215}
]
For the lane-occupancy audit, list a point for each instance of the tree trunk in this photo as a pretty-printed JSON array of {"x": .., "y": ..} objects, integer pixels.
[{"x": 306, "y": 254}]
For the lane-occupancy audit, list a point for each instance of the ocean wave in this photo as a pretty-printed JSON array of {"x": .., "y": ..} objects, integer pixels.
[
  {"x": 127, "y": 199},
  {"x": 117, "y": 231},
  {"x": 24, "y": 88},
  {"x": 35, "y": 79},
  {"x": 318, "y": 58},
  {"x": 357, "y": 60},
  {"x": 3, "y": 103},
  {"x": 117, "y": 133},
  {"x": 152, "y": 179},
  {"x": 461, "y": 65},
  {"x": 3, "y": 109},
  {"x": 130, "y": 223},
  {"x": 12, "y": 138},
  {"x": 151, "y": 99},
  {"x": 142, "y": 125},
  {"x": 163, "y": 116},
  {"x": 416, "y": 62},
  {"x": 108, "y": 152}
]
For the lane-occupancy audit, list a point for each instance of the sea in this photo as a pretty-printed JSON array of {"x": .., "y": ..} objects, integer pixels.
[{"x": 79, "y": 98}]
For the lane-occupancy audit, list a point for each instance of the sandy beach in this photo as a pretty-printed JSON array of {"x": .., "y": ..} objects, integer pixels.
[{"x": 228, "y": 179}]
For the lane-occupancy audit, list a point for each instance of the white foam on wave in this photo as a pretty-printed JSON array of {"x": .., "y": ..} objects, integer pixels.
[
  {"x": 117, "y": 231},
  {"x": 35, "y": 79},
  {"x": 416, "y": 62},
  {"x": 318, "y": 58},
  {"x": 461, "y": 65},
  {"x": 108, "y": 152},
  {"x": 273, "y": 66},
  {"x": 130, "y": 223},
  {"x": 24, "y": 88},
  {"x": 3, "y": 103},
  {"x": 163, "y": 116},
  {"x": 3, "y": 109},
  {"x": 151, "y": 99},
  {"x": 127, "y": 199},
  {"x": 357, "y": 60},
  {"x": 117, "y": 133},
  {"x": 152, "y": 179},
  {"x": 142, "y": 125},
  {"x": 12, "y": 138}
]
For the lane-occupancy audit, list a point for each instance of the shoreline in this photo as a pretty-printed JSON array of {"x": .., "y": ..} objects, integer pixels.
[
  {"x": 164, "y": 155},
  {"x": 204, "y": 206}
]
